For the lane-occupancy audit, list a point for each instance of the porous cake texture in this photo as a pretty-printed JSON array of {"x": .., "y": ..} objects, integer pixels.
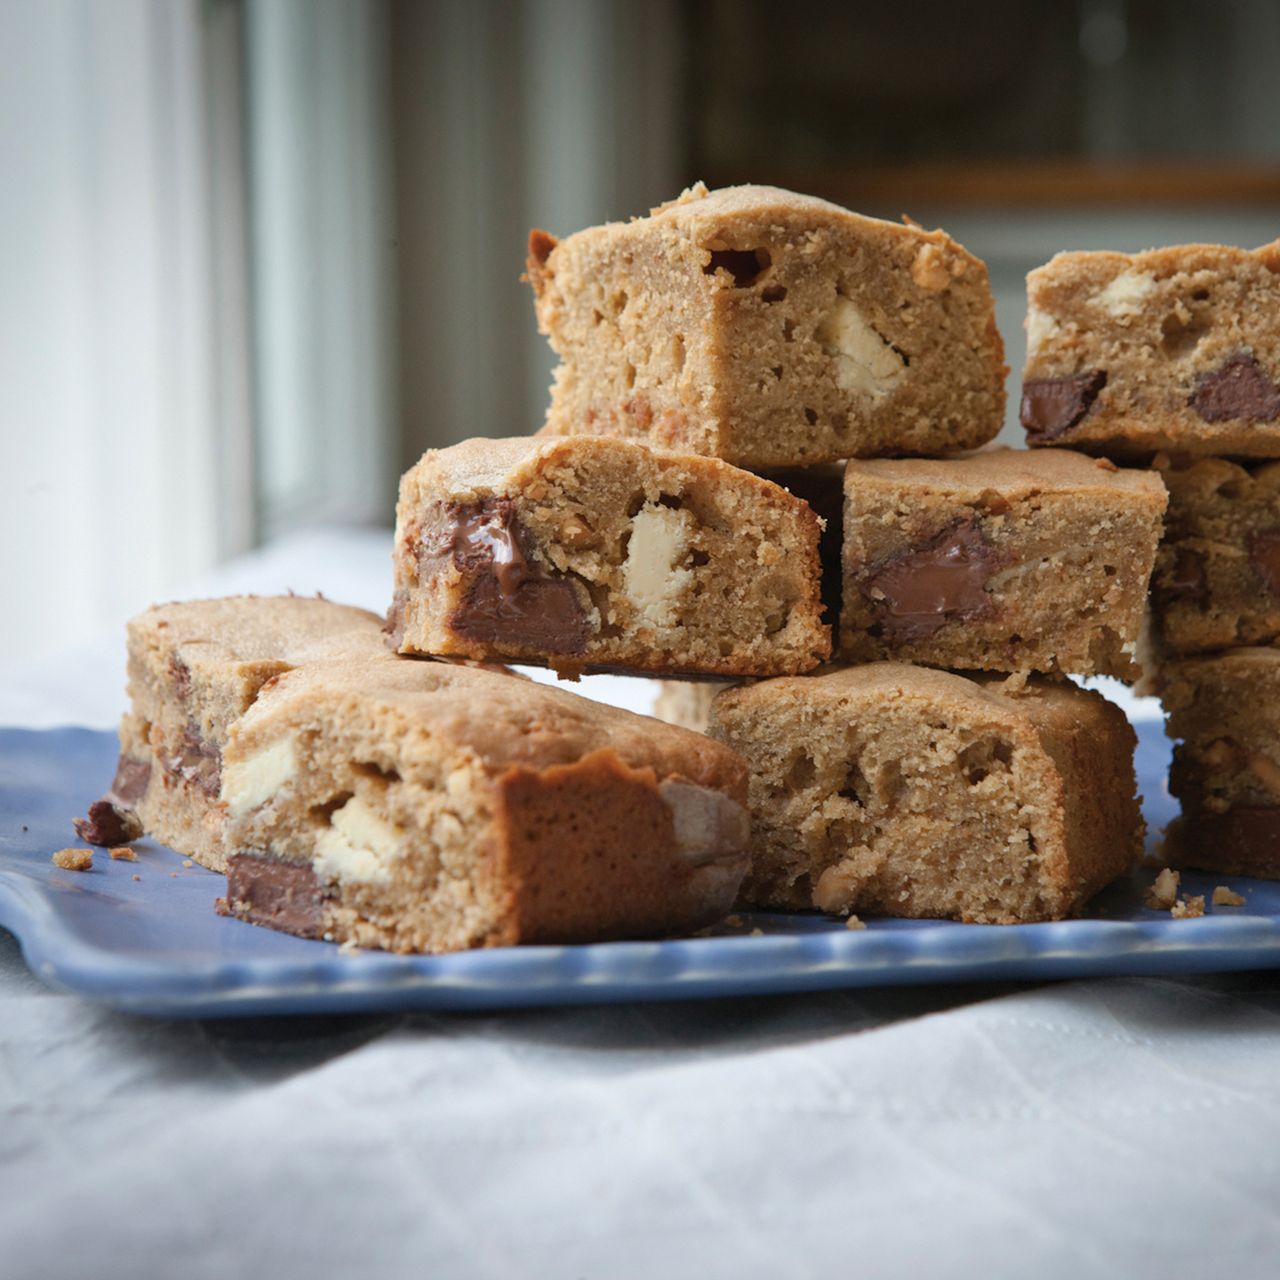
[
  {"x": 1006, "y": 560},
  {"x": 769, "y": 329},
  {"x": 1175, "y": 348},
  {"x": 588, "y": 553},
  {"x": 889, "y": 789},
  {"x": 194, "y": 668},
  {"x": 428, "y": 806}
]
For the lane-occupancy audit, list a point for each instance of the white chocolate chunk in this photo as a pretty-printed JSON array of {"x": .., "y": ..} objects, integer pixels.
[
  {"x": 357, "y": 845},
  {"x": 248, "y": 783},
  {"x": 863, "y": 360},
  {"x": 651, "y": 575},
  {"x": 1124, "y": 295},
  {"x": 1042, "y": 329}
]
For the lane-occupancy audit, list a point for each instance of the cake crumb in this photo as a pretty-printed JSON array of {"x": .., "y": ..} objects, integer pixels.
[
  {"x": 1015, "y": 683},
  {"x": 757, "y": 933},
  {"x": 854, "y": 923},
  {"x": 122, "y": 853},
  {"x": 733, "y": 921},
  {"x": 73, "y": 859},
  {"x": 1225, "y": 897},
  {"x": 136, "y": 876},
  {"x": 186, "y": 862},
  {"x": 1188, "y": 908},
  {"x": 1163, "y": 892}
]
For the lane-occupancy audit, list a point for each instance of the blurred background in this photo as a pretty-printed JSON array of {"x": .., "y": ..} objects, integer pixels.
[{"x": 259, "y": 254}]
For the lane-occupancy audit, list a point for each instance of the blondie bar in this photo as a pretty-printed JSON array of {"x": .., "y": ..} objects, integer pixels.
[
  {"x": 1174, "y": 349},
  {"x": 194, "y": 668},
  {"x": 890, "y": 789},
  {"x": 1217, "y": 575},
  {"x": 769, "y": 329},
  {"x": 1224, "y": 713},
  {"x": 428, "y": 806},
  {"x": 1005, "y": 560},
  {"x": 587, "y": 553}
]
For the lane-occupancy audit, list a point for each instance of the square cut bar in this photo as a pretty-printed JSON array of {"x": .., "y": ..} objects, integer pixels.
[
  {"x": 427, "y": 806},
  {"x": 194, "y": 668},
  {"x": 769, "y": 329},
  {"x": 1005, "y": 560},
  {"x": 1175, "y": 349},
  {"x": 588, "y": 553},
  {"x": 889, "y": 789},
  {"x": 1224, "y": 715},
  {"x": 1217, "y": 576}
]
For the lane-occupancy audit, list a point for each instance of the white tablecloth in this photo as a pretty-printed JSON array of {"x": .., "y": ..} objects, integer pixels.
[{"x": 1104, "y": 1128}]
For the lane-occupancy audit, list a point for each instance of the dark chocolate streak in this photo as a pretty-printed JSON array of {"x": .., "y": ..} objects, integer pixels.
[
  {"x": 1051, "y": 406},
  {"x": 1239, "y": 389},
  {"x": 1264, "y": 555},
  {"x": 111, "y": 820},
  {"x": 916, "y": 592},
  {"x": 281, "y": 895},
  {"x": 509, "y": 598}
]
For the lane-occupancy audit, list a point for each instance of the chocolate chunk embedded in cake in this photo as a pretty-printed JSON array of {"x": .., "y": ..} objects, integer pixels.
[{"x": 1006, "y": 560}]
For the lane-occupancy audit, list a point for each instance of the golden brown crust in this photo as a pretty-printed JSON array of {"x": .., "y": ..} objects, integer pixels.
[{"x": 588, "y": 851}]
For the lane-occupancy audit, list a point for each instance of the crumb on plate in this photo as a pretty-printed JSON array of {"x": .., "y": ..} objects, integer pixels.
[
  {"x": 73, "y": 859},
  {"x": 1163, "y": 892},
  {"x": 1225, "y": 897},
  {"x": 1188, "y": 908}
]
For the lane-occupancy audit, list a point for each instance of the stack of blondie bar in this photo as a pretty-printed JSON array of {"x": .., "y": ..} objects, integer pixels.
[
  {"x": 762, "y": 475},
  {"x": 1174, "y": 355}
]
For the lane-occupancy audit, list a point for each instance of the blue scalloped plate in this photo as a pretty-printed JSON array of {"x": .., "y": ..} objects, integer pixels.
[{"x": 154, "y": 945}]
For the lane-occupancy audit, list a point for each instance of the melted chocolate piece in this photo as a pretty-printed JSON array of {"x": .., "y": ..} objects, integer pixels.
[
  {"x": 108, "y": 824},
  {"x": 1239, "y": 389},
  {"x": 915, "y": 593},
  {"x": 281, "y": 895},
  {"x": 1189, "y": 580},
  {"x": 1246, "y": 837},
  {"x": 1051, "y": 406},
  {"x": 509, "y": 599},
  {"x": 198, "y": 762},
  {"x": 130, "y": 783},
  {"x": 1264, "y": 555},
  {"x": 111, "y": 820}
]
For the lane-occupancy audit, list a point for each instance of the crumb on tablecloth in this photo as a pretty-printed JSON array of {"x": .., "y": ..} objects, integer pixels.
[
  {"x": 1225, "y": 897},
  {"x": 854, "y": 923},
  {"x": 73, "y": 859},
  {"x": 122, "y": 853},
  {"x": 1188, "y": 908}
]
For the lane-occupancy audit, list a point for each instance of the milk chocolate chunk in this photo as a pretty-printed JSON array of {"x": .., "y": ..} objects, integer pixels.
[
  {"x": 511, "y": 598},
  {"x": 1051, "y": 406},
  {"x": 1239, "y": 389},
  {"x": 917, "y": 593},
  {"x": 281, "y": 895},
  {"x": 1264, "y": 555},
  {"x": 111, "y": 820}
]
